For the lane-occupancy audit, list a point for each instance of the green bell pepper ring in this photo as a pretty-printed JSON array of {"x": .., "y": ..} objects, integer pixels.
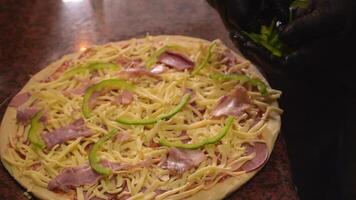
[
  {"x": 106, "y": 84},
  {"x": 90, "y": 67},
  {"x": 93, "y": 157},
  {"x": 36, "y": 127},
  {"x": 211, "y": 140},
  {"x": 206, "y": 60},
  {"x": 261, "y": 86},
  {"x": 166, "y": 116}
]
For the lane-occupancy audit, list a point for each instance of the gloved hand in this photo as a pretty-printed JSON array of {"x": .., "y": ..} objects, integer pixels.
[{"x": 313, "y": 35}]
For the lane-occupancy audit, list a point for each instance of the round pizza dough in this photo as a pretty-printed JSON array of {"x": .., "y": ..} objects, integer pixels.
[{"x": 218, "y": 191}]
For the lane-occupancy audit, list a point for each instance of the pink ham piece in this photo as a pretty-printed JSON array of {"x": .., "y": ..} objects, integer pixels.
[
  {"x": 176, "y": 60},
  {"x": 24, "y": 116},
  {"x": 181, "y": 160},
  {"x": 73, "y": 177},
  {"x": 234, "y": 103},
  {"x": 123, "y": 136},
  {"x": 137, "y": 73},
  {"x": 260, "y": 158},
  {"x": 19, "y": 99},
  {"x": 125, "y": 98},
  {"x": 64, "y": 134},
  {"x": 158, "y": 69}
]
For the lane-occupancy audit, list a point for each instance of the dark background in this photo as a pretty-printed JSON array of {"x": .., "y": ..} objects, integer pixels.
[{"x": 34, "y": 33}]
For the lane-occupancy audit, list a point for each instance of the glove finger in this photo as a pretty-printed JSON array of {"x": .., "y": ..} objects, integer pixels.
[
  {"x": 316, "y": 55},
  {"x": 308, "y": 27}
]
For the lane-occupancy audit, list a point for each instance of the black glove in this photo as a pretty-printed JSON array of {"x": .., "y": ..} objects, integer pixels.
[{"x": 313, "y": 34}]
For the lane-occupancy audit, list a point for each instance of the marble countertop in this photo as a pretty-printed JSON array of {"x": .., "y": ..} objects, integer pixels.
[{"x": 34, "y": 33}]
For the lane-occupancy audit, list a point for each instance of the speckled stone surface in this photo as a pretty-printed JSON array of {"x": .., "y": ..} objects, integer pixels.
[{"x": 34, "y": 33}]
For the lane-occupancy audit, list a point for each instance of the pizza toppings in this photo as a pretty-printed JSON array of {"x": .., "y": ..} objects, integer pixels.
[
  {"x": 24, "y": 116},
  {"x": 125, "y": 98},
  {"x": 106, "y": 84},
  {"x": 234, "y": 103},
  {"x": 64, "y": 134},
  {"x": 115, "y": 166},
  {"x": 261, "y": 151},
  {"x": 129, "y": 63},
  {"x": 189, "y": 129},
  {"x": 90, "y": 68},
  {"x": 158, "y": 69},
  {"x": 36, "y": 129},
  {"x": 137, "y": 73},
  {"x": 93, "y": 157},
  {"x": 228, "y": 58},
  {"x": 19, "y": 99},
  {"x": 181, "y": 160},
  {"x": 206, "y": 59},
  {"x": 165, "y": 116},
  {"x": 260, "y": 85},
  {"x": 176, "y": 60},
  {"x": 123, "y": 136},
  {"x": 211, "y": 140},
  {"x": 73, "y": 177}
]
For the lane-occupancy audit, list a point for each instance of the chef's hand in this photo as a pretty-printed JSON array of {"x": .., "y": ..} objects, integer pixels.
[{"x": 313, "y": 33}]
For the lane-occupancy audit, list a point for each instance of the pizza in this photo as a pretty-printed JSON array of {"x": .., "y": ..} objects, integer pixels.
[{"x": 157, "y": 117}]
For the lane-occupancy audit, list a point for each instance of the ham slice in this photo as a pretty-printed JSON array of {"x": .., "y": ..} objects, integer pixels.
[
  {"x": 137, "y": 73},
  {"x": 19, "y": 99},
  {"x": 73, "y": 177},
  {"x": 176, "y": 60},
  {"x": 123, "y": 136},
  {"x": 158, "y": 69},
  {"x": 234, "y": 103},
  {"x": 181, "y": 160},
  {"x": 64, "y": 134},
  {"x": 24, "y": 116},
  {"x": 125, "y": 98},
  {"x": 77, "y": 176},
  {"x": 262, "y": 154}
]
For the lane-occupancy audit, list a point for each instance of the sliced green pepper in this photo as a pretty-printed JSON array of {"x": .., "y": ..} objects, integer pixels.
[
  {"x": 211, "y": 140},
  {"x": 93, "y": 157},
  {"x": 261, "y": 86},
  {"x": 166, "y": 116},
  {"x": 206, "y": 60},
  {"x": 36, "y": 127},
  {"x": 106, "y": 84},
  {"x": 90, "y": 67},
  {"x": 268, "y": 38}
]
